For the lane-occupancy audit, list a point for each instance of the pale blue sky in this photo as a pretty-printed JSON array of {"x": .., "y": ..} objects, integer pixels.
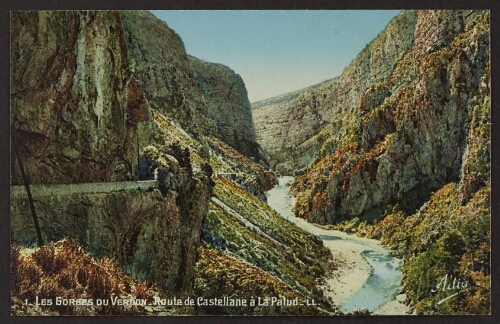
[{"x": 278, "y": 51}]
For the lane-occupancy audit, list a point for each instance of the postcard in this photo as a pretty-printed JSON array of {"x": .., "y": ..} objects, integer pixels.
[{"x": 250, "y": 162}]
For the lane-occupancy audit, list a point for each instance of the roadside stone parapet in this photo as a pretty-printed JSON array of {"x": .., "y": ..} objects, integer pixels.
[{"x": 19, "y": 192}]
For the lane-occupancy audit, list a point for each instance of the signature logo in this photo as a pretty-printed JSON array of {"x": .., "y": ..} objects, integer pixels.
[{"x": 450, "y": 284}]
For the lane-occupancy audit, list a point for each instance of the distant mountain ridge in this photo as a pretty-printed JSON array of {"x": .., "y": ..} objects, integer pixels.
[
  {"x": 104, "y": 97},
  {"x": 397, "y": 148},
  {"x": 293, "y": 132},
  {"x": 287, "y": 96}
]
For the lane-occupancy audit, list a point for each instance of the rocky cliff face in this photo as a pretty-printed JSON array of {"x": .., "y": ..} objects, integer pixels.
[
  {"x": 411, "y": 161},
  {"x": 79, "y": 112},
  {"x": 409, "y": 133},
  {"x": 228, "y": 106},
  {"x": 96, "y": 98},
  {"x": 74, "y": 104},
  {"x": 294, "y": 131},
  {"x": 157, "y": 59},
  {"x": 285, "y": 124},
  {"x": 118, "y": 225}
]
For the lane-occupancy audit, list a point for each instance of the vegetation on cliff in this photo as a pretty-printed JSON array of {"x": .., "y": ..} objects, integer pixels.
[
  {"x": 397, "y": 148},
  {"x": 444, "y": 239},
  {"x": 415, "y": 171},
  {"x": 246, "y": 229},
  {"x": 104, "y": 101},
  {"x": 221, "y": 274},
  {"x": 63, "y": 271},
  {"x": 320, "y": 119}
]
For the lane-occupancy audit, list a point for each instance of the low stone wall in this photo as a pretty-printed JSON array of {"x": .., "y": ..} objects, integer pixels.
[{"x": 19, "y": 192}]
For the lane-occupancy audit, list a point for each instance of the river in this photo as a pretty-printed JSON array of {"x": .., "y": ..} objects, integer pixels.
[{"x": 375, "y": 277}]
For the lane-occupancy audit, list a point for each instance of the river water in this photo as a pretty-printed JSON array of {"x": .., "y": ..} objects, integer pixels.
[{"x": 384, "y": 281}]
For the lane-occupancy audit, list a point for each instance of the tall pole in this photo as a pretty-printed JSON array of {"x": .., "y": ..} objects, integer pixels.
[
  {"x": 137, "y": 139},
  {"x": 30, "y": 198}
]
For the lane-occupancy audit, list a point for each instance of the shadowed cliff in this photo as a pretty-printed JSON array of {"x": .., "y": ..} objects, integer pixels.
[{"x": 97, "y": 100}]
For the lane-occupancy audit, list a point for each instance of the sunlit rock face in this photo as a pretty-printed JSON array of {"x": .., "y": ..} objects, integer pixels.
[
  {"x": 74, "y": 103},
  {"x": 95, "y": 100},
  {"x": 158, "y": 59},
  {"x": 295, "y": 128},
  {"x": 112, "y": 96},
  {"x": 397, "y": 124}
]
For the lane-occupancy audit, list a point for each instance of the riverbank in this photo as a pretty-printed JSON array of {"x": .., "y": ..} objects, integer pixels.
[
  {"x": 394, "y": 307},
  {"x": 353, "y": 271},
  {"x": 353, "y": 268}
]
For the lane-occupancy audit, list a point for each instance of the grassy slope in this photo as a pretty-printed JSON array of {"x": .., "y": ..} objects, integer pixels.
[{"x": 244, "y": 228}]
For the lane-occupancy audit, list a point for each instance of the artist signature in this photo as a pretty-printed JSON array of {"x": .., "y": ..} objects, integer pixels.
[{"x": 451, "y": 284}]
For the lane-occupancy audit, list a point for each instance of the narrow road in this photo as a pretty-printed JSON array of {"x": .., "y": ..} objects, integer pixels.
[{"x": 19, "y": 192}]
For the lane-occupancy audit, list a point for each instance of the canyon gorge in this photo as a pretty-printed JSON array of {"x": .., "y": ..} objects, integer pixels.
[{"x": 156, "y": 168}]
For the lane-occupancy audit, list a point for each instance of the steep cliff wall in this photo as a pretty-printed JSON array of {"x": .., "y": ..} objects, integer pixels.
[
  {"x": 411, "y": 162},
  {"x": 78, "y": 114},
  {"x": 228, "y": 106},
  {"x": 284, "y": 124},
  {"x": 293, "y": 132},
  {"x": 95, "y": 100},
  {"x": 157, "y": 59},
  {"x": 115, "y": 225},
  {"x": 74, "y": 103},
  {"x": 410, "y": 133}
]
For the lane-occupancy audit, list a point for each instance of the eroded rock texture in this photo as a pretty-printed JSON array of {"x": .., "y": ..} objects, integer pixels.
[
  {"x": 228, "y": 106},
  {"x": 79, "y": 109},
  {"x": 410, "y": 132},
  {"x": 74, "y": 103},
  {"x": 159, "y": 61},
  {"x": 101, "y": 96},
  {"x": 294, "y": 130}
]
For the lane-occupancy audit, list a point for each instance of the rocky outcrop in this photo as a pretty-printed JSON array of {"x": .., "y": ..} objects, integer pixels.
[
  {"x": 74, "y": 104},
  {"x": 410, "y": 163},
  {"x": 204, "y": 98},
  {"x": 413, "y": 134},
  {"x": 125, "y": 225},
  {"x": 230, "y": 164},
  {"x": 294, "y": 132},
  {"x": 80, "y": 108},
  {"x": 228, "y": 106},
  {"x": 96, "y": 99},
  {"x": 158, "y": 59},
  {"x": 144, "y": 231}
]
